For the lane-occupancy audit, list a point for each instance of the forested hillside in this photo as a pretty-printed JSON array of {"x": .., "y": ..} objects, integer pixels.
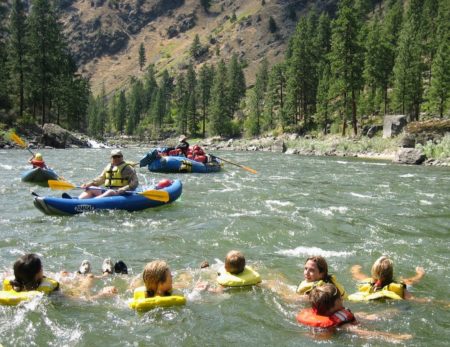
[{"x": 341, "y": 68}]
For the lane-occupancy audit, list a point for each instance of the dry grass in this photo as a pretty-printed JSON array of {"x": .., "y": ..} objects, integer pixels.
[{"x": 114, "y": 72}]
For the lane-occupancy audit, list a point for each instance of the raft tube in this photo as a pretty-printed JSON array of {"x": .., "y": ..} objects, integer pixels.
[
  {"x": 39, "y": 176},
  {"x": 177, "y": 164},
  {"x": 129, "y": 202}
]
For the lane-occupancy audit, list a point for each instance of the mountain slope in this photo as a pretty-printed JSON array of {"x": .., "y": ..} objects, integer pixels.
[{"x": 105, "y": 35}]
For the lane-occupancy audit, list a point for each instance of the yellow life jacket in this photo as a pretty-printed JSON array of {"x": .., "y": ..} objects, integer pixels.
[
  {"x": 113, "y": 176},
  {"x": 8, "y": 296},
  {"x": 248, "y": 277},
  {"x": 306, "y": 287},
  {"x": 141, "y": 302},
  {"x": 367, "y": 291}
]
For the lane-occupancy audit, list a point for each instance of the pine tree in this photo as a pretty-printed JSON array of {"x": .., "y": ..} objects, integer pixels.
[
  {"x": 440, "y": 83},
  {"x": 274, "y": 107},
  {"x": 150, "y": 86},
  {"x": 205, "y": 82},
  {"x": 235, "y": 85},
  {"x": 408, "y": 65},
  {"x": 191, "y": 88},
  {"x": 142, "y": 58},
  {"x": 16, "y": 53},
  {"x": 180, "y": 102},
  {"x": 135, "y": 106},
  {"x": 121, "y": 112},
  {"x": 4, "y": 77},
  {"x": 346, "y": 62},
  {"x": 323, "y": 100},
  {"x": 196, "y": 47},
  {"x": 272, "y": 25},
  {"x": 219, "y": 116},
  {"x": 256, "y": 100}
]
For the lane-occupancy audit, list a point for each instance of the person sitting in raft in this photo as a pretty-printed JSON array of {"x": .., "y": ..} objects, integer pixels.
[
  {"x": 327, "y": 312},
  {"x": 118, "y": 176},
  {"x": 382, "y": 284},
  {"x": 183, "y": 145},
  {"x": 198, "y": 154},
  {"x": 235, "y": 273},
  {"x": 157, "y": 289},
  {"x": 29, "y": 280},
  {"x": 37, "y": 161}
]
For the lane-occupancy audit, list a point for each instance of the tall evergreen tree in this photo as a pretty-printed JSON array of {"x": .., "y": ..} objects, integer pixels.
[
  {"x": 275, "y": 98},
  {"x": 408, "y": 65},
  {"x": 438, "y": 95},
  {"x": 4, "y": 99},
  {"x": 219, "y": 114},
  {"x": 235, "y": 85},
  {"x": 196, "y": 47},
  {"x": 205, "y": 82},
  {"x": 323, "y": 108},
  {"x": 191, "y": 88},
  {"x": 150, "y": 86},
  {"x": 16, "y": 53},
  {"x": 346, "y": 62},
  {"x": 142, "y": 58},
  {"x": 256, "y": 100},
  {"x": 135, "y": 106},
  {"x": 121, "y": 112},
  {"x": 180, "y": 102}
]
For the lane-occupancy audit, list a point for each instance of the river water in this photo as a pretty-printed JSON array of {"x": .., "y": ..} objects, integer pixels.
[{"x": 349, "y": 211}]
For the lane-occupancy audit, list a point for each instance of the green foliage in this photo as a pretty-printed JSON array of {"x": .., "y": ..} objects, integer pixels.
[
  {"x": 142, "y": 58},
  {"x": 440, "y": 150}
]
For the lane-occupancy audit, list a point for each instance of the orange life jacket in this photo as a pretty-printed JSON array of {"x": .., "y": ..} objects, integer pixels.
[{"x": 309, "y": 316}]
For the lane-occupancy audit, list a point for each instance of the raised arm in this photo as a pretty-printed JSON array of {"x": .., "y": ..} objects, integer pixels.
[
  {"x": 357, "y": 274},
  {"x": 420, "y": 272}
]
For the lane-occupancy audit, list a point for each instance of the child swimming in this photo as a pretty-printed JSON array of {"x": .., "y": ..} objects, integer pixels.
[
  {"x": 328, "y": 312},
  {"x": 382, "y": 283},
  {"x": 315, "y": 274}
]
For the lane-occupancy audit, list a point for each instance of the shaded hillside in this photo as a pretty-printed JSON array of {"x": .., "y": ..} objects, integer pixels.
[{"x": 105, "y": 35}]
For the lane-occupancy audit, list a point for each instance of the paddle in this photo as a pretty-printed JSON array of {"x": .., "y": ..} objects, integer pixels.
[
  {"x": 17, "y": 139},
  {"x": 239, "y": 165},
  {"x": 152, "y": 194}
]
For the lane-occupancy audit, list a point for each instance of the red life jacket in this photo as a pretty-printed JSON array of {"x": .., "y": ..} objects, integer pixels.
[
  {"x": 309, "y": 316},
  {"x": 38, "y": 163}
]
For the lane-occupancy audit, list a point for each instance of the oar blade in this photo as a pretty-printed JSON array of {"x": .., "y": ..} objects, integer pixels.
[
  {"x": 17, "y": 139},
  {"x": 60, "y": 185},
  {"x": 249, "y": 169},
  {"x": 158, "y": 195}
]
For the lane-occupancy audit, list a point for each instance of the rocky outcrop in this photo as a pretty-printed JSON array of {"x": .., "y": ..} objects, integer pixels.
[
  {"x": 109, "y": 33},
  {"x": 409, "y": 156},
  {"x": 55, "y": 136},
  {"x": 393, "y": 125}
]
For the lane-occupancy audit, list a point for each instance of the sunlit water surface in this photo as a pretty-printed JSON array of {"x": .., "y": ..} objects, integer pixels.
[{"x": 350, "y": 211}]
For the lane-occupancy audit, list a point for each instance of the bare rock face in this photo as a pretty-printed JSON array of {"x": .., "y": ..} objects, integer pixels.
[
  {"x": 410, "y": 156},
  {"x": 394, "y": 125},
  {"x": 57, "y": 137}
]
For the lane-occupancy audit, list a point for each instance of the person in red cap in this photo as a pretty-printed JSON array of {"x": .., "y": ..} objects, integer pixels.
[{"x": 118, "y": 177}]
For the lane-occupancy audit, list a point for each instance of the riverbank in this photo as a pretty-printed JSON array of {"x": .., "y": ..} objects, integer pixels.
[{"x": 398, "y": 149}]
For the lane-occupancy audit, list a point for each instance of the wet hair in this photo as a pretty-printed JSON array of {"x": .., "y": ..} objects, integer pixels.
[
  {"x": 25, "y": 270},
  {"x": 155, "y": 272},
  {"x": 383, "y": 271},
  {"x": 235, "y": 262},
  {"x": 204, "y": 264},
  {"x": 120, "y": 268},
  {"x": 321, "y": 265},
  {"x": 323, "y": 298}
]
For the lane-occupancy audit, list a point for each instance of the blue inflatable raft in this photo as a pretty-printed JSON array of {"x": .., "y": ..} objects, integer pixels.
[
  {"x": 177, "y": 164},
  {"x": 130, "y": 202},
  {"x": 39, "y": 176}
]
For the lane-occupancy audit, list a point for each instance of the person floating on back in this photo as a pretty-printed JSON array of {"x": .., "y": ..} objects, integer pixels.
[
  {"x": 382, "y": 283},
  {"x": 118, "y": 177},
  {"x": 37, "y": 161}
]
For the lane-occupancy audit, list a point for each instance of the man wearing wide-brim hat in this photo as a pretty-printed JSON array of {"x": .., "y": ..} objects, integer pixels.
[
  {"x": 183, "y": 145},
  {"x": 118, "y": 177}
]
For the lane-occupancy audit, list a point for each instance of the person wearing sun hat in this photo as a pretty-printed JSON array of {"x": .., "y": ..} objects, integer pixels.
[
  {"x": 118, "y": 177},
  {"x": 37, "y": 161},
  {"x": 183, "y": 145}
]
